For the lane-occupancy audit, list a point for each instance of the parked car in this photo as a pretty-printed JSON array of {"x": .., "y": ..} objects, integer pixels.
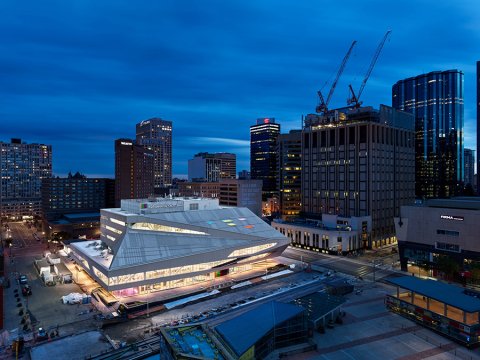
[
  {"x": 26, "y": 290},
  {"x": 22, "y": 280},
  {"x": 42, "y": 334}
]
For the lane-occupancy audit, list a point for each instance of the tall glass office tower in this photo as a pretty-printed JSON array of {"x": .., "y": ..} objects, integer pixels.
[
  {"x": 436, "y": 101},
  {"x": 263, "y": 154},
  {"x": 156, "y": 134}
]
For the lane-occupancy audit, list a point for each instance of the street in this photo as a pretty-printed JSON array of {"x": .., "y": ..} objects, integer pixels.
[
  {"x": 359, "y": 267},
  {"x": 24, "y": 242}
]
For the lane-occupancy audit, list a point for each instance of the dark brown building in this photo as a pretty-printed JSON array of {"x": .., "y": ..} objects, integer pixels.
[
  {"x": 359, "y": 162},
  {"x": 133, "y": 171}
]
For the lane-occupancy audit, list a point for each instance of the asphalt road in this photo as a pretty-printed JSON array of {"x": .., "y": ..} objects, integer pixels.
[
  {"x": 24, "y": 243},
  {"x": 358, "y": 267}
]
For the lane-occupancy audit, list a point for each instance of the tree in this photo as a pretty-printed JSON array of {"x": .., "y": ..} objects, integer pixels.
[{"x": 447, "y": 265}]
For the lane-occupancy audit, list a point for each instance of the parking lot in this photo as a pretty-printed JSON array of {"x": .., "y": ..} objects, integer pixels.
[{"x": 44, "y": 304}]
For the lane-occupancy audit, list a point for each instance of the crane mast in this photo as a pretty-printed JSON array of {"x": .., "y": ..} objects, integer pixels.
[{"x": 355, "y": 98}]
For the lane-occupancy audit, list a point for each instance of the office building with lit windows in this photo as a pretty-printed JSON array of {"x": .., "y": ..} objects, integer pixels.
[
  {"x": 359, "y": 162},
  {"x": 436, "y": 102},
  {"x": 133, "y": 171},
  {"x": 23, "y": 167},
  {"x": 212, "y": 167},
  {"x": 156, "y": 135},
  {"x": 72, "y": 204},
  {"x": 263, "y": 154},
  {"x": 289, "y": 161},
  {"x": 159, "y": 244}
]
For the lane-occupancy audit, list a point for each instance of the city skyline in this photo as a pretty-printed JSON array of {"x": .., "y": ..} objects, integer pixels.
[{"x": 79, "y": 76}]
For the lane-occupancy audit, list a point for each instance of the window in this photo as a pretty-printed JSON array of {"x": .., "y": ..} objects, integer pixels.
[
  {"x": 251, "y": 250},
  {"x": 194, "y": 206},
  {"x": 164, "y": 228},
  {"x": 448, "y": 232},
  {"x": 116, "y": 221},
  {"x": 447, "y": 247}
]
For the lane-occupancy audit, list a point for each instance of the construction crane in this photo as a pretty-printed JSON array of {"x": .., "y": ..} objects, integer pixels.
[
  {"x": 323, "y": 105},
  {"x": 355, "y": 98}
]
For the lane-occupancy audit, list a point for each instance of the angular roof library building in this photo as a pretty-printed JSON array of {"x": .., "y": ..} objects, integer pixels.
[{"x": 158, "y": 244}]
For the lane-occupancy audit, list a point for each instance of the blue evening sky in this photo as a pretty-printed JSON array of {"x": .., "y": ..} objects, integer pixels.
[{"x": 79, "y": 74}]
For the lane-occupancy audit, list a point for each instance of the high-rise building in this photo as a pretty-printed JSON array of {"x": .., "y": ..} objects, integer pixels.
[
  {"x": 436, "y": 102},
  {"x": 212, "y": 167},
  {"x": 22, "y": 168},
  {"x": 156, "y": 135},
  {"x": 244, "y": 175},
  {"x": 478, "y": 126},
  {"x": 263, "y": 156},
  {"x": 242, "y": 193},
  {"x": 133, "y": 171},
  {"x": 469, "y": 156},
  {"x": 228, "y": 165},
  {"x": 290, "y": 173},
  {"x": 71, "y": 205},
  {"x": 75, "y": 194},
  {"x": 359, "y": 162}
]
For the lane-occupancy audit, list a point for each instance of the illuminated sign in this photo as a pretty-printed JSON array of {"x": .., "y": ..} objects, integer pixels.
[
  {"x": 126, "y": 143},
  {"x": 266, "y": 121},
  {"x": 452, "y": 217}
]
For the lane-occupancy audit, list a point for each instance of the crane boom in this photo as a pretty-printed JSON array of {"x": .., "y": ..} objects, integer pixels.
[
  {"x": 355, "y": 99},
  {"x": 323, "y": 106},
  {"x": 340, "y": 71}
]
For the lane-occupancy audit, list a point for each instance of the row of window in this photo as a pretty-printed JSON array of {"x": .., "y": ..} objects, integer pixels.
[
  {"x": 448, "y": 232},
  {"x": 447, "y": 247}
]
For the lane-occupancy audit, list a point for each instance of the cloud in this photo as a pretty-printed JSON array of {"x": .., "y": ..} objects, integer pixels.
[{"x": 78, "y": 75}]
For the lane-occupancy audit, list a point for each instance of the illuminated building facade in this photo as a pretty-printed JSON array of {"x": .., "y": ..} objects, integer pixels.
[
  {"x": 263, "y": 154},
  {"x": 436, "y": 101},
  {"x": 159, "y": 244},
  {"x": 290, "y": 173},
  {"x": 334, "y": 234},
  {"x": 22, "y": 168},
  {"x": 212, "y": 167},
  {"x": 156, "y": 135},
  {"x": 133, "y": 171},
  {"x": 439, "y": 228},
  {"x": 359, "y": 162}
]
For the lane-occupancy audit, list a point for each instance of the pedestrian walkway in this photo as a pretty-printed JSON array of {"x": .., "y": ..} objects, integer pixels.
[
  {"x": 430, "y": 352},
  {"x": 368, "y": 339}
]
